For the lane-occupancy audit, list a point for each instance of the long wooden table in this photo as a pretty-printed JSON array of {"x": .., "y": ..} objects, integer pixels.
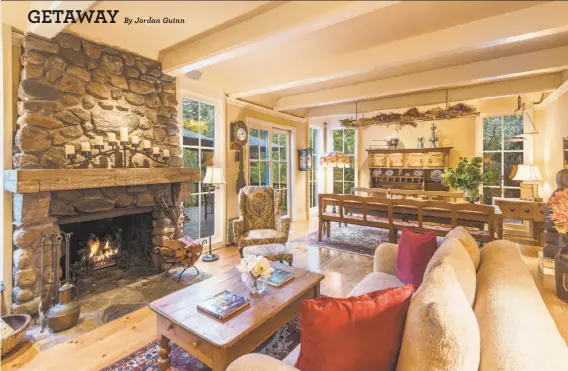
[{"x": 217, "y": 343}]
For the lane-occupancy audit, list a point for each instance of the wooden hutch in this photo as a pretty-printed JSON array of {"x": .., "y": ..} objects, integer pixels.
[{"x": 408, "y": 168}]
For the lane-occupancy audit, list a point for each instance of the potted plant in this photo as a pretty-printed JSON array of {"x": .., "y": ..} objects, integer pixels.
[
  {"x": 469, "y": 176},
  {"x": 558, "y": 208}
]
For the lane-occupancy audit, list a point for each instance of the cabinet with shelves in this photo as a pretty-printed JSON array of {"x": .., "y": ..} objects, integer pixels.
[{"x": 409, "y": 168}]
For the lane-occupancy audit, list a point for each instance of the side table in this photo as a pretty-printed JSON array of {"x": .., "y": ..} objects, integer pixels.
[{"x": 533, "y": 211}]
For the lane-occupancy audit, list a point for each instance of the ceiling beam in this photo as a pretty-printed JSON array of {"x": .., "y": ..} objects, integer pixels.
[
  {"x": 498, "y": 89},
  {"x": 274, "y": 26},
  {"x": 542, "y": 61},
  {"x": 524, "y": 24},
  {"x": 50, "y": 30}
]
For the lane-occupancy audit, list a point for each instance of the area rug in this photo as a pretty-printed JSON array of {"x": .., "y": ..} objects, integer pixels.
[
  {"x": 278, "y": 346},
  {"x": 356, "y": 239},
  {"x": 352, "y": 238}
]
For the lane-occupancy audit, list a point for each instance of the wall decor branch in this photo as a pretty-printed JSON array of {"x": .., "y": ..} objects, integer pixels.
[{"x": 411, "y": 116}]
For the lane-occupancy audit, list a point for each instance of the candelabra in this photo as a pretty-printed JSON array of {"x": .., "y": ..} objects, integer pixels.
[{"x": 125, "y": 145}]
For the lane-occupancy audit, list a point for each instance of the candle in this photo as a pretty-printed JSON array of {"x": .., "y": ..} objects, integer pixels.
[
  {"x": 135, "y": 140},
  {"x": 146, "y": 144},
  {"x": 69, "y": 149},
  {"x": 155, "y": 151},
  {"x": 166, "y": 153},
  {"x": 99, "y": 140},
  {"x": 123, "y": 135},
  {"x": 111, "y": 137},
  {"x": 86, "y": 147}
]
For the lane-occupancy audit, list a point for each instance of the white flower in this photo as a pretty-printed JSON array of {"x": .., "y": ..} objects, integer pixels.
[{"x": 256, "y": 266}]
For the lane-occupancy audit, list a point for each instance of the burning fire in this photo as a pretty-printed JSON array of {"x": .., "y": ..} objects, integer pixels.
[{"x": 98, "y": 253}]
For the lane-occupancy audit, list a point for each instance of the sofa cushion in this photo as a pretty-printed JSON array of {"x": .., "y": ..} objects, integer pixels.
[
  {"x": 453, "y": 252},
  {"x": 517, "y": 331},
  {"x": 441, "y": 331},
  {"x": 468, "y": 242},
  {"x": 414, "y": 253},
  {"x": 375, "y": 281},
  {"x": 360, "y": 333}
]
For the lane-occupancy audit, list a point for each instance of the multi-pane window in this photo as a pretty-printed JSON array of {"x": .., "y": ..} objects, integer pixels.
[
  {"x": 198, "y": 151},
  {"x": 259, "y": 160},
  {"x": 270, "y": 150},
  {"x": 502, "y": 154},
  {"x": 312, "y": 181},
  {"x": 280, "y": 168},
  {"x": 344, "y": 178}
]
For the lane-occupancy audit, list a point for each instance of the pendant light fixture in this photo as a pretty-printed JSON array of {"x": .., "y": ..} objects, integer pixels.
[{"x": 524, "y": 136}]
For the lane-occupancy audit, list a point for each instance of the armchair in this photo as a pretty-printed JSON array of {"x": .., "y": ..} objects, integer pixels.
[{"x": 259, "y": 220}]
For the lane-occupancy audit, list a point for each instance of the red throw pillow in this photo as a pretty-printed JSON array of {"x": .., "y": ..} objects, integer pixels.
[
  {"x": 414, "y": 252},
  {"x": 361, "y": 333}
]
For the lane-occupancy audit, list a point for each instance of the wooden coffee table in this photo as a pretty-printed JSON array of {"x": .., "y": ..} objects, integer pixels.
[{"x": 217, "y": 343}]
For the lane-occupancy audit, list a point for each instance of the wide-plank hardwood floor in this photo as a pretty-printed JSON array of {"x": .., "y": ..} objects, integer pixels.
[{"x": 115, "y": 340}]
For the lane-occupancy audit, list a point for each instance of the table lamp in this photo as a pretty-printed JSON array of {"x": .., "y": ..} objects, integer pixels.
[
  {"x": 213, "y": 178},
  {"x": 529, "y": 175}
]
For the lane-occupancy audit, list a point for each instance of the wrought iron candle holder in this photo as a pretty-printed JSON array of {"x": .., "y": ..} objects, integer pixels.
[{"x": 116, "y": 147}]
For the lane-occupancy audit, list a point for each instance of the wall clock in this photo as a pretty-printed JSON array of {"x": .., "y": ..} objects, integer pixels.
[{"x": 239, "y": 133}]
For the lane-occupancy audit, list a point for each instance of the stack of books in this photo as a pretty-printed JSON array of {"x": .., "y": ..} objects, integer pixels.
[{"x": 224, "y": 305}]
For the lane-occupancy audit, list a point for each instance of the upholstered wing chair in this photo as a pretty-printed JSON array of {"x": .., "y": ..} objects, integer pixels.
[{"x": 259, "y": 220}]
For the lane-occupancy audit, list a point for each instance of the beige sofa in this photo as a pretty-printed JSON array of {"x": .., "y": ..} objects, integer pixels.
[{"x": 476, "y": 309}]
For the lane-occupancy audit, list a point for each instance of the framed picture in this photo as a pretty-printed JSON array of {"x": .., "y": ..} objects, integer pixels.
[{"x": 304, "y": 159}]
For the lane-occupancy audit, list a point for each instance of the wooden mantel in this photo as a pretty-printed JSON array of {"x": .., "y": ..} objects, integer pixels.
[{"x": 46, "y": 180}]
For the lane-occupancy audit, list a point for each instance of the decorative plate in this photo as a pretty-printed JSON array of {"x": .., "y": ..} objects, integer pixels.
[
  {"x": 377, "y": 172},
  {"x": 418, "y": 172},
  {"x": 436, "y": 175},
  {"x": 406, "y": 174},
  {"x": 389, "y": 172}
]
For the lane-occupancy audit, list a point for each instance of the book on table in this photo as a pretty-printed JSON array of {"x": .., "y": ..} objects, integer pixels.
[
  {"x": 278, "y": 278},
  {"x": 224, "y": 305}
]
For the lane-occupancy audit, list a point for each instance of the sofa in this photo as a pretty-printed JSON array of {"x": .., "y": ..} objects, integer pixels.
[
  {"x": 477, "y": 309},
  {"x": 259, "y": 221}
]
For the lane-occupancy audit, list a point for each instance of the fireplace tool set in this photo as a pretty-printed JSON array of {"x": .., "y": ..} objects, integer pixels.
[{"x": 58, "y": 307}]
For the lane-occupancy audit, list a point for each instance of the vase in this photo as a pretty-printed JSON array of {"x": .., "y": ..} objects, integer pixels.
[
  {"x": 472, "y": 196},
  {"x": 561, "y": 267},
  {"x": 254, "y": 285}
]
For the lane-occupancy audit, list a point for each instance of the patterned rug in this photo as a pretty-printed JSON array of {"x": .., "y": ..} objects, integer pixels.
[
  {"x": 352, "y": 238},
  {"x": 278, "y": 346}
]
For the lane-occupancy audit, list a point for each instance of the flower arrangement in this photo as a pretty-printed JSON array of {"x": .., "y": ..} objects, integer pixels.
[
  {"x": 558, "y": 205},
  {"x": 252, "y": 268}
]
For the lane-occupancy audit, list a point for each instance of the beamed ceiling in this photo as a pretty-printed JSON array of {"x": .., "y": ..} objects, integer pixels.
[{"x": 313, "y": 59}]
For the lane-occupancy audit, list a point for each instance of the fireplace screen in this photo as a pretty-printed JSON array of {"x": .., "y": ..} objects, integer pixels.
[{"x": 112, "y": 247}]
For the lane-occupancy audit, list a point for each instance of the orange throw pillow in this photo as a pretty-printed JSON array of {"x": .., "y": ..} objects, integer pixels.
[{"x": 361, "y": 333}]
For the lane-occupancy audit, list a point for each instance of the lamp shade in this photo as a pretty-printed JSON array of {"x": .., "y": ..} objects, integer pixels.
[
  {"x": 527, "y": 173},
  {"x": 213, "y": 175}
]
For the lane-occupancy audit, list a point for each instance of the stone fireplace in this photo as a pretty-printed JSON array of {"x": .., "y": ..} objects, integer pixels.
[{"x": 71, "y": 91}]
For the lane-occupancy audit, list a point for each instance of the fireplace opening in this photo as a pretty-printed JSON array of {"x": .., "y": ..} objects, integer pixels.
[{"x": 107, "y": 253}]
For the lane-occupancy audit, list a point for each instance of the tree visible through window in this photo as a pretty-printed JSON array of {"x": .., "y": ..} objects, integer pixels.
[
  {"x": 198, "y": 151},
  {"x": 502, "y": 154},
  {"x": 344, "y": 178}
]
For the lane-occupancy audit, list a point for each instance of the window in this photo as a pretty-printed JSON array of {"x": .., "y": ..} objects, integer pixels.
[
  {"x": 344, "y": 178},
  {"x": 198, "y": 151},
  {"x": 280, "y": 161},
  {"x": 270, "y": 149},
  {"x": 312, "y": 180},
  {"x": 504, "y": 155},
  {"x": 259, "y": 173}
]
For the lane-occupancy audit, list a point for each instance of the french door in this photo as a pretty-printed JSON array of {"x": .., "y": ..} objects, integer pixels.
[
  {"x": 198, "y": 150},
  {"x": 269, "y": 162}
]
